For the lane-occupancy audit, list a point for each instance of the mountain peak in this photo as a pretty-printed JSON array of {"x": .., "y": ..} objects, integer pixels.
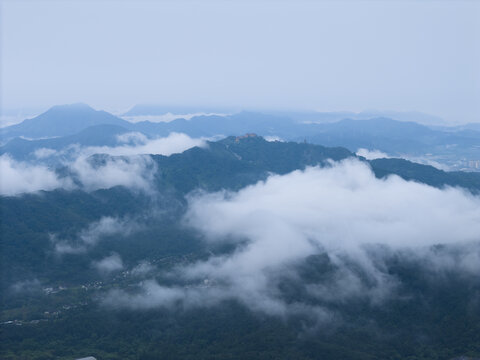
[
  {"x": 71, "y": 107},
  {"x": 62, "y": 120},
  {"x": 246, "y": 136}
]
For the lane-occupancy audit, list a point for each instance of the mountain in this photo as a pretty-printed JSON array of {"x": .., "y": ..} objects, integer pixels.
[
  {"x": 52, "y": 308},
  {"x": 62, "y": 120},
  {"x": 391, "y": 136},
  {"x": 98, "y": 135},
  {"x": 241, "y": 123},
  {"x": 401, "y": 139},
  {"x": 456, "y": 148},
  {"x": 152, "y": 109},
  {"x": 231, "y": 163},
  {"x": 426, "y": 174},
  {"x": 236, "y": 162},
  {"x": 300, "y": 116},
  {"x": 409, "y": 116},
  {"x": 383, "y": 134},
  {"x": 470, "y": 126}
]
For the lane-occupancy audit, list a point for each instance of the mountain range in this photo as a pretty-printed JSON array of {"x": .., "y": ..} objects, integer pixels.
[
  {"x": 66, "y": 251},
  {"x": 453, "y": 146}
]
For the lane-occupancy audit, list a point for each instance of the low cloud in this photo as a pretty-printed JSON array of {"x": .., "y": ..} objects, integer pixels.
[
  {"x": 26, "y": 287},
  {"x": 21, "y": 177},
  {"x": 109, "y": 264},
  {"x": 142, "y": 269},
  {"x": 44, "y": 153},
  {"x": 425, "y": 160},
  {"x": 127, "y": 164},
  {"x": 128, "y": 144},
  {"x": 138, "y": 144},
  {"x": 134, "y": 172},
  {"x": 92, "y": 234},
  {"x": 273, "y": 138},
  {"x": 342, "y": 214},
  {"x": 371, "y": 154}
]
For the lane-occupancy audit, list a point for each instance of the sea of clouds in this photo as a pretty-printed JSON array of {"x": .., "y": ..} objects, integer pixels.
[
  {"x": 343, "y": 212},
  {"x": 129, "y": 165}
]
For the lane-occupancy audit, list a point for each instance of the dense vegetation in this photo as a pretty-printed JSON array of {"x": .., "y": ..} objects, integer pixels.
[
  {"x": 434, "y": 322},
  {"x": 428, "y": 320}
]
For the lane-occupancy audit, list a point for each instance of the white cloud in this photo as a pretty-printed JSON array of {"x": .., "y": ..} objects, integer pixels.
[
  {"x": 109, "y": 264},
  {"x": 425, "y": 160},
  {"x": 20, "y": 177},
  {"x": 135, "y": 172},
  {"x": 133, "y": 143},
  {"x": 93, "y": 233},
  {"x": 44, "y": 153},
  {"x": 64, "y": 247},
  {"x": 140, "y": 144},
  {"x": 142, "y": 269},
  {"x": 371, "y": 154},
  {"x": 273, "y": 138},
  {"x": 343, "y": 212},
  {"x": 129, "y": 165}
]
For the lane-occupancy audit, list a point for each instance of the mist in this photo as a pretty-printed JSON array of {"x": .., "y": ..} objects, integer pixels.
[
  {"x": 21, "y": 177},
  {"x": 109, "y": 264},
  {"x": 88, "y": 237},
  {"x": 326, "y": 55},
  {"x": 342, "y": 212},
  {"x": 128, "y": 164}
]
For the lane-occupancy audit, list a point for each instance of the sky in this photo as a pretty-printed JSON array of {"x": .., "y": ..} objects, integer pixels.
[{"x": 324, "y": 55}]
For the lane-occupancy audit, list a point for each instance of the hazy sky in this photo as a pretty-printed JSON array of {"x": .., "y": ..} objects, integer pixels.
[{"x": 324, "y": 55}]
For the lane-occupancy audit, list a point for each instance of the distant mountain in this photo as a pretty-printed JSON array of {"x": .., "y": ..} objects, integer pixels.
[
  {"x": 470, "y": 126},
  {"x": 152, "y": 109},
  {"x": 380, "y": 133},
  {"x": 300, "y": 116},
  {"x": 426, "y": 174},
  {"x": 99, "y": 135},
  {"x": 410, "y": 116},
  {"x": 453, "y": 146},
  {"x": 398, "y": 138},
  {"x": 62, "y": 120}
]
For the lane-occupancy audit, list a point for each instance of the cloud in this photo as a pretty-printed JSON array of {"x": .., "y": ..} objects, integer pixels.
[
  {"x": 273, "y": 138},
  {"x": 109, "y": 264},
  {"x": 21, "y": 177},
  {"x": 93, "y": 233},
  {"x": 44, "y": 153},
  {"x": 129, "y": 144},
  {"x": 341, "y": 216},
  {"x": 134, "y": 172},
  {"x": 425, "y": 160},
  {"x": 137, "y": 144},
  {"x": 26, "y": 286},
  {"x": 129, "y": 165},
  {"x": 143, "y": 268},
  {"x": 371, "y": 154}
]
